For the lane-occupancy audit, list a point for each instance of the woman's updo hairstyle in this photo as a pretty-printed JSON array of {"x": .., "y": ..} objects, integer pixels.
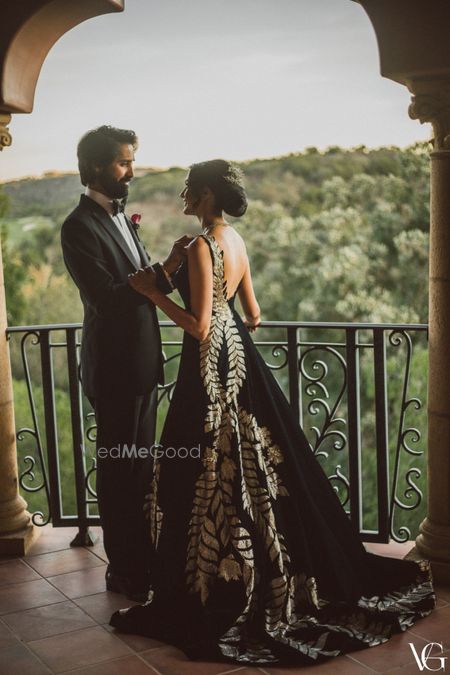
[{"x": 225, "y": 182}]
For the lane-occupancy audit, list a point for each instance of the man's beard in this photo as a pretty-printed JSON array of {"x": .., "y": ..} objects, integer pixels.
[{"x": 116, "y": 189}]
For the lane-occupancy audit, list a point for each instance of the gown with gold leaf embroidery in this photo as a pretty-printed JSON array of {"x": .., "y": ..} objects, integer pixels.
[{"x": 256, "y": 560}]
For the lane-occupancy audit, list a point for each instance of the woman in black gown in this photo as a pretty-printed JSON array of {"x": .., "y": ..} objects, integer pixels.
[{"x": 256, "y": 560}]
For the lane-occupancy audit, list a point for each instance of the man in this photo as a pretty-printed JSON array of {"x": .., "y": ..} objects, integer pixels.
[{"x": 121, "y": 356}]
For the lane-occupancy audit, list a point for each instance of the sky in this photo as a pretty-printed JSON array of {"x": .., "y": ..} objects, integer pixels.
[{"x": 237, "y": 79}]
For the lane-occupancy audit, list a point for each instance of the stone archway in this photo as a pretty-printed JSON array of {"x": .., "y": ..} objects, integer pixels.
[
  {"x": 413, "y": 53},
  {"x": 27, "y": 33}
]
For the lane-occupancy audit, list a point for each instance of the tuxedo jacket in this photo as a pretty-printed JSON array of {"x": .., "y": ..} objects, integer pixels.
[{"x": 121, "y": 342}]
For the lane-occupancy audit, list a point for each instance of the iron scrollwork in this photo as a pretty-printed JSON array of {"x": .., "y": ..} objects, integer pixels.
[
  {"x": 323, "y": 376},
  {"x": 278, "y": 351},
  {"x": 318, "y": 391},
  {"x": 405, "y": 436},
  {"x": 28, "y": 476}
]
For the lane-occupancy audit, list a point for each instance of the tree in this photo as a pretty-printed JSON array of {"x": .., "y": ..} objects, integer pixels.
[
  {"x": 340, "y": 235},
  {"x": 13, "y": 271}
]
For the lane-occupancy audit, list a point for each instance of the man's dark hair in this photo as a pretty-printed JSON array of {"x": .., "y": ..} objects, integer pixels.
[{"x": 98, "y": 147}]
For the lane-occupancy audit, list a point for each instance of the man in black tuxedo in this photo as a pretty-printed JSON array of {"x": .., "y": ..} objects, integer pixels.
[{"x": 121, "y": 356}]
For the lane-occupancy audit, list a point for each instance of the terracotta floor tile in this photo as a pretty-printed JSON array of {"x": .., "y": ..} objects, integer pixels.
[
  {"x": 99, "y": 551},
  {"x": 129, "y": 665},
  {"x": 29, "y": 594},
  {"x": 435, "y": 628},
  {"x": 95, "y": 535},
  {"x": 97, "y": 531},
  {"x": 171, "y": 661},
  {"x": 16, "y": 571},
  {"x": 391, "y": 654},
  {"x": 78, "y": 648},
  {"x": 83, "y": 582},
  {"x": 101, "y": 605},
  {"x": 41, "y": 622},
  {"x": 443, "y": 593},
  {"x": 19, "y": 660},
  {"x": 408, "y": 669},
  {"x": 341, "y": 665},
  {"x": 62, "y": 562},
  {"x": 52, "y": 539},
  {"x": 138, "y": 643},
  {"x": 7, "y": 639},
  {"x": 98, "y": 548}
]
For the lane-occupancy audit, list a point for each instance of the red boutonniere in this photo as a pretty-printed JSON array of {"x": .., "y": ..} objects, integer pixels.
[{"x": 136, "y": 219}]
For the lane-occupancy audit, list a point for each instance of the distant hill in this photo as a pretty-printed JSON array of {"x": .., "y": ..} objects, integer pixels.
[
  {"x": 52, "y": 195},
  {"x": 47, "y": 196},
  {"x": 292, "y": 180}
]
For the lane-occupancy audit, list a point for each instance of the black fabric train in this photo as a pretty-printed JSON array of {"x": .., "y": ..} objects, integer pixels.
[{"x": 257, "y": 560}]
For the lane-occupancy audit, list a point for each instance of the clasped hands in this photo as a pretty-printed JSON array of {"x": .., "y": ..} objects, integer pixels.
[{"x": 144, "y": 280}]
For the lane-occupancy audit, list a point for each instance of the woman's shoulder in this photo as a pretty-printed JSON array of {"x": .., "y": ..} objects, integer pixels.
[
  {"x": 198, "y": 246},
  {"x": 238, "y": 241},
  {"x": 229, "y": 235}
]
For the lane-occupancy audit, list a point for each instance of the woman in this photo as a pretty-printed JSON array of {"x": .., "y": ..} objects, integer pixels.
[{"x": 257, "y": 561}]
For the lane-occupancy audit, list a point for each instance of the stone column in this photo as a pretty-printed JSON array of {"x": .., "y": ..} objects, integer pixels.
[
  {"x": 5, "y": 136},
  {"x": 16, "y": 530},
  {"x": 431, "y": 103}
]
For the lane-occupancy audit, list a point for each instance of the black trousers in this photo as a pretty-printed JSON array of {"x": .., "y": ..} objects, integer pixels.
[{"x": 125, "y": 424}]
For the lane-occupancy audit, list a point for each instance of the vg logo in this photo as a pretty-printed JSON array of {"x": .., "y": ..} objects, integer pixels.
[{"x": 426, "y": 660}]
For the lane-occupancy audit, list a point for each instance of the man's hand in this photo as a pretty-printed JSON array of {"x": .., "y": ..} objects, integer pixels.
[
  {"x": 177, "y": 254},
  {"x": 143, "y": 281}
]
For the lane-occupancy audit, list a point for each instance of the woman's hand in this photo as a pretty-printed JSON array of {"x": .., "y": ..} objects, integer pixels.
[
  {"x": 252, "y": 325},
  {"x": 144, "y": 281},
  {"x": 178, "y": 253}
]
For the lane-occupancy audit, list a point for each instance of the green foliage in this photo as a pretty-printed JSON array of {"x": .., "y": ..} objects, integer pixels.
[
  {"x": 4, "y": 204},
  {"x": 340, "y": 235},
  {"x": 14, "y": 272}
]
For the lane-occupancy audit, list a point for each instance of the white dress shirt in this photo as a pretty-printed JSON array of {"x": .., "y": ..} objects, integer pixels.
[{"x": 119, "y": 221}]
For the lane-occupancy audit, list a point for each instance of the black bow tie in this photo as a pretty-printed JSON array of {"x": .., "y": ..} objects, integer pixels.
[{"x": 118, "y": 206}]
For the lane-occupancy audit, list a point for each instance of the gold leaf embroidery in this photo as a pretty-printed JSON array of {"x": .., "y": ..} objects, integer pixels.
[
  {"x": 239, "y": 469},
  {"x": 229, "y": 569},
  {"x": 219, "y": 544},
  {"x": 155, "y": 513}
]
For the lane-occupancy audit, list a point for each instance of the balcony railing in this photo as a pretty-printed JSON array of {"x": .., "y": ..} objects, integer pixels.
[{"x": 349, "y": 386}]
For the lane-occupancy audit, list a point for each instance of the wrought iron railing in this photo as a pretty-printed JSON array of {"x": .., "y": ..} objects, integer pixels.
[{"x": 348, "y": 385}]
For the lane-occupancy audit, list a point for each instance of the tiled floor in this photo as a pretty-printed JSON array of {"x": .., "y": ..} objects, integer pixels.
[{"x": 54, "y": 614}]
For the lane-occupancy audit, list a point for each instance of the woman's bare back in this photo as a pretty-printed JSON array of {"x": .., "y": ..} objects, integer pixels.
[
  {"x": 237, "y": 270},
  {"x": 235, "y": 259}
]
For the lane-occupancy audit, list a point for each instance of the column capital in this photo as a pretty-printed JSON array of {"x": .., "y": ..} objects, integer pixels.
[
  {"x": 431, "y": 103},
  {"x": 5, "y": 136}
]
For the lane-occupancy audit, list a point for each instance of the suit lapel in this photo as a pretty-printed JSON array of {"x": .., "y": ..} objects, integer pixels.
[
  {"x": 107, "y": 222},
  {"x": 145, "y": 258}
]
